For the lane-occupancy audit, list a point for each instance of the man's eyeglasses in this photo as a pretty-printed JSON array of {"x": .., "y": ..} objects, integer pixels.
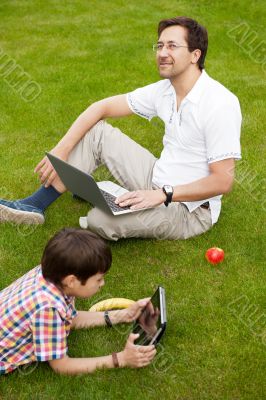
[{"x": 169, "y": 46}]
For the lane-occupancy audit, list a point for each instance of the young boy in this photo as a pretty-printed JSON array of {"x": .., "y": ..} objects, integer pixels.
[{"x": 37, "y": 311}]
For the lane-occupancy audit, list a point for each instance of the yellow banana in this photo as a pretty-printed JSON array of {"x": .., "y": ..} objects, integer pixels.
[{"x": 112, "y": 304}]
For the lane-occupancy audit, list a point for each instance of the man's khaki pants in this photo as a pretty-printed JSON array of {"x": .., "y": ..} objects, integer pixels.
[{"x": 132, "y": 166}]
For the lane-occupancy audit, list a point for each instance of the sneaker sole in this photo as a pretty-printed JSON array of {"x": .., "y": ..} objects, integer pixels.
[{"x": 8, "y": 214}]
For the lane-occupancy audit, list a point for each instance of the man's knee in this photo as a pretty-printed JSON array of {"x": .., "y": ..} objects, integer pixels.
[
  {"x": 142, "y": 225},
  {"x": 102, "y": 223},
  {"x": 99, "y": 130},
  {"x": 152, "y": 224}
]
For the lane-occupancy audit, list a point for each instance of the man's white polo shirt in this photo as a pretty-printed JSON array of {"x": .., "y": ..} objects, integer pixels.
[{"x": 205, "y": 129}]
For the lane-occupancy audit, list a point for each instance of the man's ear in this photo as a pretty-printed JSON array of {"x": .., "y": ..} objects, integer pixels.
[
  {"x": 195, "y": 56},
  {"x": 69, "y": 281}
]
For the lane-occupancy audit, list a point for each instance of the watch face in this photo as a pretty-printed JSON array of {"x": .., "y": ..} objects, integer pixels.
[{"x": 168, "y": 188}]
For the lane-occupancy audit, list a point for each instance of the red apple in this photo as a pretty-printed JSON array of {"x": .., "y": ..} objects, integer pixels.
[{"x": 214, "y": 255}]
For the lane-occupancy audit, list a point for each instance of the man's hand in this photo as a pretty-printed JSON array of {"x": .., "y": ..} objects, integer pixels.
[
  {"x": 46, "y": 171},
  {"x": 141, "y": 199}
]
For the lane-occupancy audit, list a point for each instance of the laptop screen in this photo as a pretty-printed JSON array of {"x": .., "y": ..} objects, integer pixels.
[{"x": 149, "y": 322}]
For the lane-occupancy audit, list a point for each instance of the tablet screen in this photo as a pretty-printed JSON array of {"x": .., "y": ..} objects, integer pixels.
[{"x": 149, "y": 322}]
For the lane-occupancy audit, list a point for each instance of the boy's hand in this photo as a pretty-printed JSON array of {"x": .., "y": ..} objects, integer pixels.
[
  {"x": 148, "y": 322},
  {"x": 136, "y": 356},
  {"x": 132, "y": 313}
]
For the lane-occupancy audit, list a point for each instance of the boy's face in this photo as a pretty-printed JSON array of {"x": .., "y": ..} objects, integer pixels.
[{"x": 73, "y": 287}]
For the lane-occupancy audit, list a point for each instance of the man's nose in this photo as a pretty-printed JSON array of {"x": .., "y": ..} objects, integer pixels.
[{"x": 164, "y": 52}]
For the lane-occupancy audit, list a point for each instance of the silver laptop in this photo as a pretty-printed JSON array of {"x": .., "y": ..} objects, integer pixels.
[{"x": 83, "y": 185}]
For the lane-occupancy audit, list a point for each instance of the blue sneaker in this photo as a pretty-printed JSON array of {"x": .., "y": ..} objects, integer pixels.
[{"x": 15, "y": 211}]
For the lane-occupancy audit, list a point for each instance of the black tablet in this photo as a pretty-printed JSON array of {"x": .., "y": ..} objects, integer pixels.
[{"x": 151, "y": 323}]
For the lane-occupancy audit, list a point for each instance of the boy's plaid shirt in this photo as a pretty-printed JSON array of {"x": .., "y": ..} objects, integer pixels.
[{"x": 35, "y": 319}]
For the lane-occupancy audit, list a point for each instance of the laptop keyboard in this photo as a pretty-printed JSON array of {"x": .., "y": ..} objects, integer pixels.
[{"x": 110, "y": 199}]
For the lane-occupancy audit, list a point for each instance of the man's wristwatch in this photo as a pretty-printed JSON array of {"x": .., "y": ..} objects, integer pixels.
[{"x": 168, "y": 191}]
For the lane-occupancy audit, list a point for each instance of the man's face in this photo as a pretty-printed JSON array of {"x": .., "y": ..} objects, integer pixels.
[
  {"x": 172, "y": 62},
  {"x": 73, "y": 287}
]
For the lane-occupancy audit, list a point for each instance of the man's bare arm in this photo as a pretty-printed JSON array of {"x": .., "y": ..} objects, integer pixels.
[
  {"x": 115, "y": 107},
  {"x": 219, "y": 181},
  {"x": 111, "y": 107}
]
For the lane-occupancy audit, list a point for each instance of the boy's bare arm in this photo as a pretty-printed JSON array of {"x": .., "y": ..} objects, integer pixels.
[
  {"x": 132, "y": 356},
  {"x": 75, "y": 366},
  {"x": 89, "y": 319}
]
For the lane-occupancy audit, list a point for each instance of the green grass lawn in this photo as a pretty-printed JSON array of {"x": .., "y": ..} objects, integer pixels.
[{"x": 82, "y": 51}]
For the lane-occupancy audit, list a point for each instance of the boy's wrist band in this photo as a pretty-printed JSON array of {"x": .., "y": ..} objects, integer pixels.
[
  {"x": 107, "y": 319},
  {"x": 115, "y": 360}
]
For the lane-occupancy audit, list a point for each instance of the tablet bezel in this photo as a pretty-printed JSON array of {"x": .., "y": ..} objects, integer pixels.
[{"x": 157, "y": 337}]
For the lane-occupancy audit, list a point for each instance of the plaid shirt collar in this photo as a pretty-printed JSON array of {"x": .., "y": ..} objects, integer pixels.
[{"x": 53, "y": 293}]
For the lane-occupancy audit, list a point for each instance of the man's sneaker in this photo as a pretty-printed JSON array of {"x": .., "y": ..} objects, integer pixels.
[{"x": 15, "y": 211}]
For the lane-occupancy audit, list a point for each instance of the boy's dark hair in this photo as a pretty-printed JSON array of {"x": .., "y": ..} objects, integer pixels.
[
  {"x": 197, "y": 35},
  {"x": 75, "y": 252}
]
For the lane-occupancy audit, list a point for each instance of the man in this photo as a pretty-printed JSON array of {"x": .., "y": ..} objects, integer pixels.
[{"x": 201, "y": 141}]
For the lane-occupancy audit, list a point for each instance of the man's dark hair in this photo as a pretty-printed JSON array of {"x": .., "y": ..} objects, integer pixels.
[
  {"x": 75, "y": 252},
  {"x": 197, "y": 35}
]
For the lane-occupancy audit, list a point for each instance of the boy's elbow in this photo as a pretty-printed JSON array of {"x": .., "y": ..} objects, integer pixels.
[
  {"x": 54, "y": 365},
  {"x": 59, "y": 365}
]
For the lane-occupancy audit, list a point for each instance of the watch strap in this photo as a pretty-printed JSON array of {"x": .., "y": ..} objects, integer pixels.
[
  {"x": 169, "y": 196},
  {"x": 107, "y": 319},
  {"x": 115, "y": 360}
]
